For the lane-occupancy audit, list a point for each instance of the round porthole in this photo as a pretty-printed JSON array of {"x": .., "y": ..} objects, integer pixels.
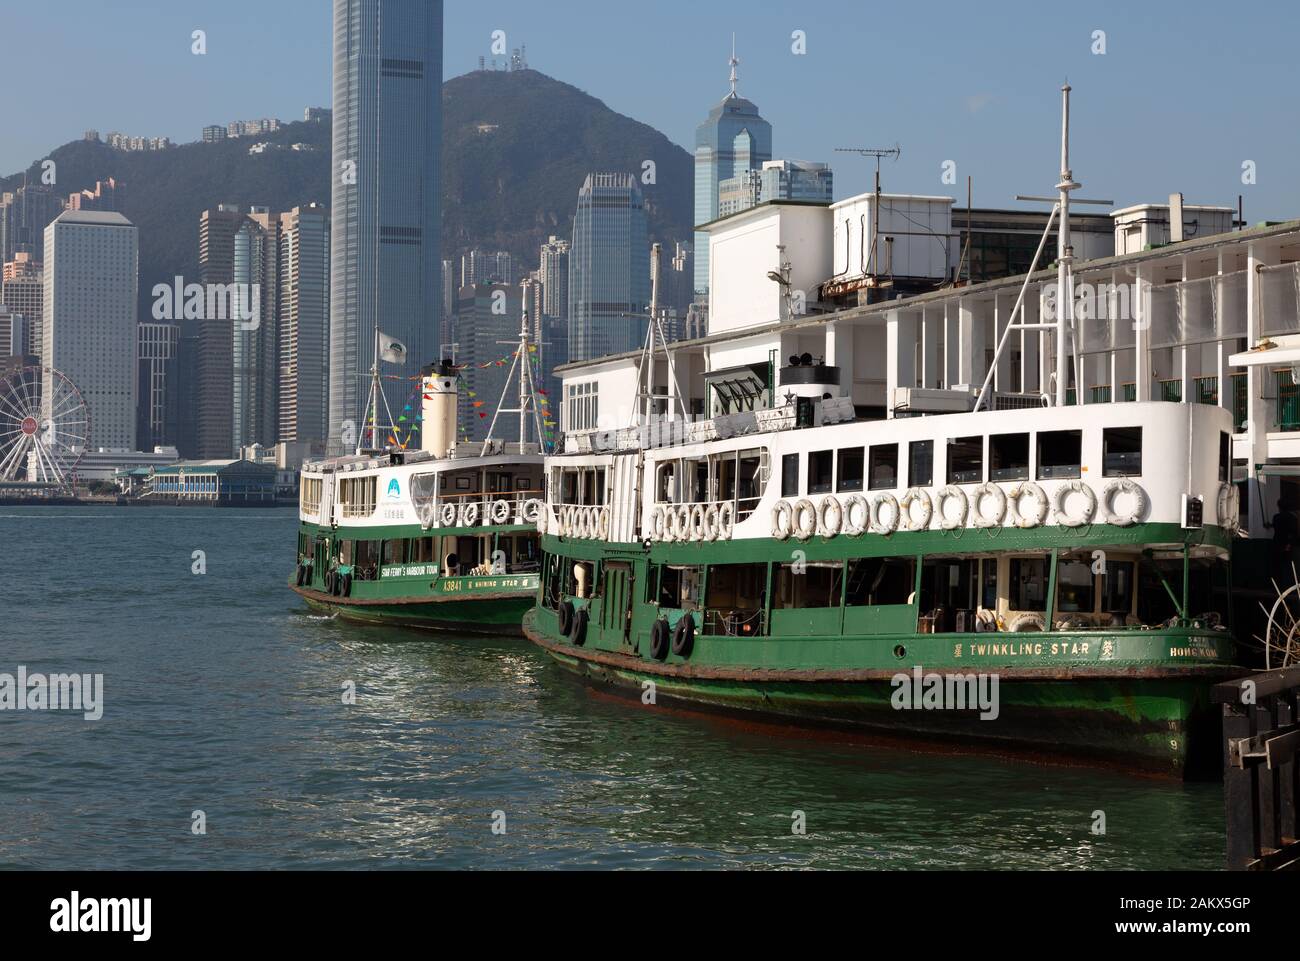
[{"x": 900, "y": 652}]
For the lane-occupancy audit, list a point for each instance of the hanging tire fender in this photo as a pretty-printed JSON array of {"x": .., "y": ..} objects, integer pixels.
[
  {"x": 660, "y": 640},
  {"x": 566, "y": 613},
  {"x": 684, "y": 636}
]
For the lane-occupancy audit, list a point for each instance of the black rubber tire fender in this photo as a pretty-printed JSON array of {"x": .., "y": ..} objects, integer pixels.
[
  {"x": 684, "y": 636},
  {"x": 566, "y": 618},
  {"x": 660, "y": 640},
  {"x": 345, "y": 586},
  {"x": 579, "y": 636}
]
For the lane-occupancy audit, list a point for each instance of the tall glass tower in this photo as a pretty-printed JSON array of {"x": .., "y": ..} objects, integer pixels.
[
  {"x": 609, "y": 268},
  {"x": 733, "y": 140},
  {"x": 385, "y": 261}
]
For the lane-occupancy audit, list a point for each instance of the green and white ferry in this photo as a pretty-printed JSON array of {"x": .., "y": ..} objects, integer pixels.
[
  {"x": 442, "y": 538},
  {"x": 857, "y": 536}
]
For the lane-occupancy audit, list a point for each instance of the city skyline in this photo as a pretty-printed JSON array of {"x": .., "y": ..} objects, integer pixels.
[{"x": 979, "y": 96}]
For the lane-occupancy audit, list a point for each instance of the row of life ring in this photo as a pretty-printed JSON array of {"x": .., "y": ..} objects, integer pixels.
[
  {"x": 1026, "y": 505},
  {"x": 498, "y": 514},
  {"x": 693, "y": 523},
  {"x": 583, "y": 523}
]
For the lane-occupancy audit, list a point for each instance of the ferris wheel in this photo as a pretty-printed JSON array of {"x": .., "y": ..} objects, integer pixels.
[{"x": 44, "y": 427}]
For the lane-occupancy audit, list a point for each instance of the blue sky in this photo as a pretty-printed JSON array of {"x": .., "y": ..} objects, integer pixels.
[{"x": 1185, "y": 93}]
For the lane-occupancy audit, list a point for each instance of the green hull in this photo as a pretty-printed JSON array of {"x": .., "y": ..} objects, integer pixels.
[{"x": 495, "y": 614}]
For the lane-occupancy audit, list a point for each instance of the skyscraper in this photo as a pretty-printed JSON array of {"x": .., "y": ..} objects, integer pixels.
[
  {"x": 24, "y": 215},
  {"x": 797, "y": 180},
  {"x": 157, "y": 398},
  {"x": 207, "y": 345},
  {"x": 89, "y": 332},
  {"x": 304, "y": 324},
  {"x": 554, "y": 274},
  {"x": 609, "y": 268},
  {"x": 734, "y": 139},
  {"x": 22, "y": 290},
  {"x": 386, "y": 266},
  {"x": 254, "y": 327}
]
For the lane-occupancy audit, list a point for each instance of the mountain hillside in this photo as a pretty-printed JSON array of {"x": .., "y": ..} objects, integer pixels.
[{"x": 517, "y": 147}]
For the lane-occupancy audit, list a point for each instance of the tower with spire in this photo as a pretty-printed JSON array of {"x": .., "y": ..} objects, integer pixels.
[{"x": 733, "y": 139}]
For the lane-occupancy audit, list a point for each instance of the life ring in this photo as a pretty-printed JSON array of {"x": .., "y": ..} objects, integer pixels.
[
  {"x": 1063, "y": 493},
  {"x": 726, "y": 521},
  {"x": 1020, "y": 518},
  {"x": 589, "y": 523},
  {"x": 983, "y": 520},
  {"x": 855, "y": 527},
  {"x": 916, "y": 496},
  {"x": 697, "y": 523},
  {"x": 805, "y": 520},
  {"x": 711, "y": 528},
  {"x": 684, "y": 523},
  {"x": 684, "y": 636},
  {"x": 952, "y": 494},
  {"x": 1125, "y": 486},
  {"x": 500, "y": 512},
  {"x": 579, "y": 635},
  {"x": 895, "y": 514},
  {"x": 1028, "y": 623},
  {"x": 670, "y": 524},
  {"x": 448, "y": 515},
  {"x": 783, "y": 520},
  {"x": 830, "y": 517},
  {"x": 660, "y": 640},
  {"x": 659, "y": 524},
  {"x": 602, "y": 523},
  {"x": 542, "y": 521},
  {"x": 533, "y": 511},
  {"x": 469, "y": 515},
  {"x": 1229, "y": 507},
  {"x": 566, "y": 617},
  {"x": 570, "y": 517}
]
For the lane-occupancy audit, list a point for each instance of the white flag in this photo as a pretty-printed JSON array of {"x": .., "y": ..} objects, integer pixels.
[{"x": 392, "y": 351}]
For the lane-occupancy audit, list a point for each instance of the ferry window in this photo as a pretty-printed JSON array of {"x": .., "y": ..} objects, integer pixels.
[
  {"x": 666, "y": 489},
  {"x": 884, "y": 467},
  {"x": 1060, "y": 455},
  {"x": 850, "y": 470},
  {"x": 920, "y": 468},
  {"x": 1027, "y": 584},
  {"x": 821, "y": 471},
  {"x": 736, "y": 600},
  {"x": 599, "y": 481},
  {"x": 394, "y": 552},
  {"x": 1117, "y": 588},
  {"x": 1075, "y": 587},
  {"x": 570, "y": 489},
  {"x": 965, "y": 460},
  {"x": 804, "y": 586},
  {"x": 699, "y": 475},
  {"x": 790, "y": 475},
  {"x": 424, "y": 550},
  {"x": 670, "y": 588},
  {"x": 1009, "y": 457},
  {"x": 726, "y": 479},
  {"x": 1122, "y": 452},
  {"x": 652, "y": 584},
  {"x": 552, "y": 580},
  {"x": 1225, "y": 458},
  {"x": 751, "y": 477},
  {"x": 881, "y": 581},
  {"x": 989, "y": 584}
]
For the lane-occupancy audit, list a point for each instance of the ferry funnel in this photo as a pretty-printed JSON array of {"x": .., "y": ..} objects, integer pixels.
[{"x": 440, "y": 393}]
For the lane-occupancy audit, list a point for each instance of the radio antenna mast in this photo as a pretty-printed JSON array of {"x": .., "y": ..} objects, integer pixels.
[{"x": 880, "y": 153}]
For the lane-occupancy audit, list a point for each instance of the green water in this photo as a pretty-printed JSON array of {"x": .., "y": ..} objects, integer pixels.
[{"x": 224, "y": 695}]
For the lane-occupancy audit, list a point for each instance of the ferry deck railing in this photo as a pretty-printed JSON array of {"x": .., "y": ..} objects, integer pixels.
[{"x": 1261, "y": 771}]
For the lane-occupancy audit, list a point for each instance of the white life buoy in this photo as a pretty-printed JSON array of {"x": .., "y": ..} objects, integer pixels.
[
  {"x": 711, "y": 522},
  {"x": 909, "y": 522},
  {"x": 783, "y": 520},
  {"x": 469, "y": 515},
  {"x": 500, "y": 512},
  {"x": 727, "y": 521},
  {"x": 684, "y": 522},
  {"x": 670, "y": 524},
  {"x": 658, "y": 524},
  {"x": 830, "y": 517},
  {"x": 589, "y": 523},
  {"x": 1028, "y": 623},
  {"x": 697, "y": 522},
  {"x": 885, "y": 514},
  {"x": 857, "y": 515},
  {"x": 1229, "y": 506},
  {"x": 541, "y": 521},
  {"x": 1028, "y": 521},
  {"x": 579, "y": 523},
  {"x": 448, "y": 515},
  {"x": 1125, "y": 486},
  {"x": 1064, "y": 517},
  {"x": 805, "y": 520},
  {"x": 982, "y": 519},
  {"x": 533, "y": 511},
  {"x": 602, "y": 523},
  {"x": 571, "y": 522},
  {"x": 963, "y": 508}
]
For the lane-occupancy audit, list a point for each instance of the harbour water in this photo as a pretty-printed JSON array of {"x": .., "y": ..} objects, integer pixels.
[{"x": 224, "y": 695}]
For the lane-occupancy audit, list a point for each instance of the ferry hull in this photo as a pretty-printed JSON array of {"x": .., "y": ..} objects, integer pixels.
[
  {"x": 488, "y": 615},
  {"x": 1152, "y": 719}
]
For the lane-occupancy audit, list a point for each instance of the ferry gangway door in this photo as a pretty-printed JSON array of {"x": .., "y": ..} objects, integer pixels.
[{"x": 1261, "y": 770}]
